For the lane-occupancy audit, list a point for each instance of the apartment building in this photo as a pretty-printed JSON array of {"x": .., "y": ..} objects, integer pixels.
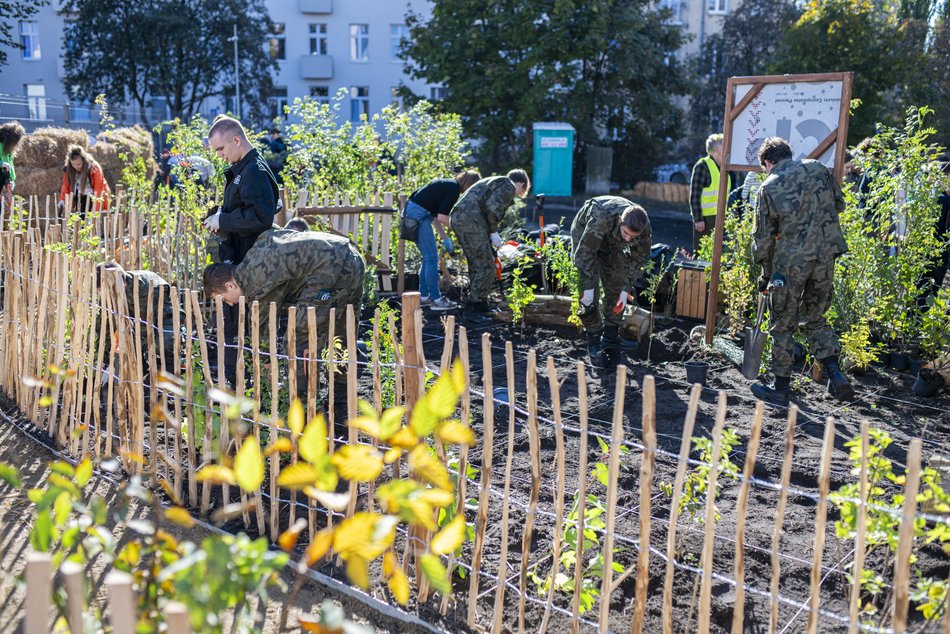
[{"x": 699, "y": 19}]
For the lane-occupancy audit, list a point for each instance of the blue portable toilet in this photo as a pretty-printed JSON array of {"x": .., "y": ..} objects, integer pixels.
[{"x": 553, "y": 158}]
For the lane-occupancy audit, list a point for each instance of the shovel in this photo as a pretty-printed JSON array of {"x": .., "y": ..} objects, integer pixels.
[{"x": 754, "y": 344}]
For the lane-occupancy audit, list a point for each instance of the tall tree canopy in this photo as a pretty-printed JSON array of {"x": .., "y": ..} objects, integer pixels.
[
  {"x": 10, "y": 12},
  {"x": 176, "y": 49},
  {"x": 605, "y": 66}
]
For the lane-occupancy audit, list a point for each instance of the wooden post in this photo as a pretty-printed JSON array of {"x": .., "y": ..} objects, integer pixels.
[
  {"x": 351, "y": 396},
  {"x": 274, "y": 458},
  {"x": 189, "y": 403},
  {"x": 821, "y": 517},
  {"x": 176, "y": 618},
  {"x": 752, "y": 449},
  {"x": 176, "y": 324},
  {"x": 505, "y": 502},
  {"x": 581, "y": 494},
  {"x": 291, "y": 337},
  {"x": 905, "y": 542},
  {"x": 75, "y": 597},
  {"x": 613, "y": 474},
  {"x": 313, "y": 369},
  {"x": 257, "y": 378},
  {"x": 681, "y": 465},
  {"x": 860, "y": 541},
  {"x": 121, "y": 602},
  {"x": 223, "y": 431},
  {"x": 39, "y": 592},
  {"x": 555, "y": 389},
  {"x": 535, "y": 453},
  {"x": 705, "y": 586},
  {"x": 481, "y": 519},
  {"x": 780, "y": 518},
  {"x": 207, "y": 444},
  {"x": 647, "y": 460}
]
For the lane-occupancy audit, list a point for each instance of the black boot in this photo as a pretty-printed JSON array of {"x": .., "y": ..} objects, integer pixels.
[
  {"x": 612, "y": 347},
  {"x": 476, "y": 314},
  {"x": 595, "y": 348},
  {"x": 778, "y": 393},
  {"x": 838, "y": 384}
]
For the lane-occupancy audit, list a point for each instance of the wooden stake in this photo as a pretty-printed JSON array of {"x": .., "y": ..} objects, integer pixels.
[
  {"x": 860, "y": 541},
  {"x": 274, "y": 458},
  {"x": 412, "y": 355},
  {"x": 313, "y": 353},
  {"x": 176, "y": 324},
  {"x": 257, "y": 378},
  {"x": 503, "y": 554},
  {"x": 705, "y": 587},
  {"x": 780, "y": 518},
  {"x": 905, "y": 541},
  {"x": 223, "y": 431},
  {"x": 581, "y": 494},
  {"x": 613, "y": 475},
  {"x": 176, "y": 618},
  {"x": 647, "y": 462},
  {"x": 560, "y": 479},
  {"x": 535, "y": 451},
  {"x": 207, "y": 444},
  {"x": 75, "y": 597},
  {"x": 752, "y": 450},
  {"x": 39, "y": 592},
  {"x": 481, "y": 519},
  {"x": 351, "y": 396},
  {"x": 291, "y": 336},
  {"x": 121, "y": 601},
  {"x": 821, "y": 517}
]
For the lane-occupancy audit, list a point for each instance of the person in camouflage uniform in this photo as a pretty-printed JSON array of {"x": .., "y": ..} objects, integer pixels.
[
  {"x": 143, "y": 283},
  {"x": 294, "y": 268},
  {"x": 611, "y": 239},
  {"x": 474, "y": 219},
  {"x": 797, "y": 239}
]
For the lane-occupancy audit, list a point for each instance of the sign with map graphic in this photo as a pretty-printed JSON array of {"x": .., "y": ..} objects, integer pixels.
[{"x": 808, "y": 111}]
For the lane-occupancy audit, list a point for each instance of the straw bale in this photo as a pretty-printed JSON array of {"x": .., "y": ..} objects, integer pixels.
[
  {"x": 37, "y": 181},
  {"x": 38, "y": 151},
  {"x": 64, "y": 137}
]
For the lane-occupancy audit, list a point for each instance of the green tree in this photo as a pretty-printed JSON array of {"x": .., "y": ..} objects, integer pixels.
[
  {"x": 933, "y": 84},
  {"x": 10, "y": 12},
  {"x": 748, "y": 41},
  {"x": 176, "y": 49},
  {"x": 605, "y": 66}
]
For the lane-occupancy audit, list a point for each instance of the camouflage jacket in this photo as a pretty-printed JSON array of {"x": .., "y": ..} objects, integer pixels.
[
  {"x": 796, "y": 216},
  {"x": 595, "y": 234},
  {"x": 293, "y": 267},
  {"x": 491, "y": 197}
]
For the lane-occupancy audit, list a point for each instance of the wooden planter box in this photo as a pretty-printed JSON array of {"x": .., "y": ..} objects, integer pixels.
[{"x": 691, "y": 290}]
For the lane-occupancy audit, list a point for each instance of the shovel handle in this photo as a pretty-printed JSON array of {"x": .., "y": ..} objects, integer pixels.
[{"x": 761, "y": 311}]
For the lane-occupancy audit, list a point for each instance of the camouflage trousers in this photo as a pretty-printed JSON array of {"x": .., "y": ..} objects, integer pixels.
[
  {"x": 472, "y": 231},
  {"x": 801, "y": 305},
  {"x": 612, "y": 275}
]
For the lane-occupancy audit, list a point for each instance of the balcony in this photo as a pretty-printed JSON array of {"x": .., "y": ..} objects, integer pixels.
[
  {"x": 316, "y": 6},
  {"x": 316, "y": 66}
]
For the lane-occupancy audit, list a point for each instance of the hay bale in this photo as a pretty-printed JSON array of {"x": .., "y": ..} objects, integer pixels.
[
  {"x": 132, "y": 142},
  {"x": 38, "y": 151},
  {"x": 64, "y": 137},
  {"x": 38, "y": 181},
  {"x": 107, "y": 155}
]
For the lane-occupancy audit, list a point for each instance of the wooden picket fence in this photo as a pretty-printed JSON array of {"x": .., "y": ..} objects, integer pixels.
[
  {"x": 121, "y": 604},
  {"x": 97, "y": 409}
]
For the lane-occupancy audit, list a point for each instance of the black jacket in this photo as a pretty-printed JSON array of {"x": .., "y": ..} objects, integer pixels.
[{"x": 251, "y": 198}]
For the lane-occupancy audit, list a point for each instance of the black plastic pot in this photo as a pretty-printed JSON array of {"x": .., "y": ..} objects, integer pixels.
[
  {"x": 927, "y": 383},
  {"x": 915, "y": 365},
  {"x": 696, "y": 372},
  {"x": 900, "y": 361}
]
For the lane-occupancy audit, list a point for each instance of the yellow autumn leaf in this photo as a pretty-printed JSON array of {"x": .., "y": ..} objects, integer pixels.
[
  {"x": 181, "y": 517},
  {"x": 405, "y": 438},
  {"x": 297, "y": 476},
  {"x": 367, "y": 424},
  {"x": 357, "y": 569},
  {"x": 216, "y": 474},
  {"x": 455, "y": 433},
  {"x": 281, "y": 445},
  {"x": 288, "y": 539},
  {"x": 420, "y": 512},
  {"x": 354, "y": 534},
  {"x": 435, "y": 572},
  {"x": 359, "y": 463},
  {"x": 399, "y": 586},
  {"x": 249, "y": 465},
  {"x": 390, "y": 563},
  {"x": 392, "y": 455},
  {"x": 319, "y": 547},
  {"x": 296, "y": 417},
  {"x": 450, "y": 537},
  {"x": 429, "y": 468},
  {"x": 391, "y": 421},
  {"x": 333, "y": 501},
  {"x": 313, "y": 444},
  {"x": 437, "y": 497}
]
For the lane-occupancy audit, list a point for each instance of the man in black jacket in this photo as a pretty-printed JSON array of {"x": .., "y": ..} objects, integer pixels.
[{"x": 251, "y": 194}]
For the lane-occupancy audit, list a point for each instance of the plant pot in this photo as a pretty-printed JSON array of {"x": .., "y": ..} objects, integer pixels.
[
  {"x": 883, "y": 359},
  {"x": 900, "y": 361},
  {"x": 500, "y": 395},
  {"x": 915, "y": 365},
  {"x": 696, "y": 372},
  {"x": 927, "y": 383}
]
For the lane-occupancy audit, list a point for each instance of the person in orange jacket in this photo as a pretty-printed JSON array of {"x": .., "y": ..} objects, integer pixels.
[{"x": 84, "y": 179}]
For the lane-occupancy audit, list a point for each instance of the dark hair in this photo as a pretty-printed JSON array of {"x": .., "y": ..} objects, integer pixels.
[
  {"x": 635, "y": 218},
  {"x": 10, "y": 135},
  {"x": 297, "y": 224},
  {"x": 227, "y": 125},
  {"x": 216, "y": 276},
  {"x": 467, "y": 178},
  {"x": 774, "y": 149},
  {"x": 520, "y": 176}
]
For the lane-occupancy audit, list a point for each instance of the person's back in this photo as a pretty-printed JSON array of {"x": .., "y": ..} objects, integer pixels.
[
  {"x": 804, "y": 201},
  {"x": 490, "y": 197}
]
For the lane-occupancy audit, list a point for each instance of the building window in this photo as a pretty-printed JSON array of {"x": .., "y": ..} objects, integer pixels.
[
  {"x": 278, "y": 101},
  {"x": 719, "y": 6},
  {"x": 359, "y": 42},
  {"x": 359, "y": 102},
  {"x": 397, "y": 33},
  {"x": 277, "y": 41},
  {"x": 318, "y": 39},
  {"x": 30, "y": 39},
  {"x": 675, "y": 8},
  {"x": 320, "y": 93},
  {"x": 36, "y": 100},
  {"x": 396, "y": 99},
  {"x": 438, "y": 93}
]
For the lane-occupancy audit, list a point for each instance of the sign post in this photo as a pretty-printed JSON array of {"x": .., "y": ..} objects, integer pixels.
[{"x": 809, "y": 111}]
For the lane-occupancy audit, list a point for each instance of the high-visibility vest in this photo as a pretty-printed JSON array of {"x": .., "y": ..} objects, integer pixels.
[{"x": 711, "y": 193}]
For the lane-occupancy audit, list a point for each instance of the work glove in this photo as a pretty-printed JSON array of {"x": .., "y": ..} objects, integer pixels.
[
  {"x": 213, "y": 222},
  {"x": 448, "y": 246},
  {"x": 621, "y": 302},
  {"x": 495, "y": 240},
  {"x": 60, "y": 205},
  {"x": 763, "y": 283},
  {"x": 587, "y": 298}
]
